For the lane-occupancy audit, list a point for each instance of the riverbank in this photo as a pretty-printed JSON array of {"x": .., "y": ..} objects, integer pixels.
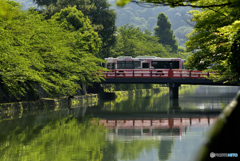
[
  {"x": 77, "y": 101},
  {"x": 51, "y": 103},
  {"x": 223, "y": 139},
  {"x": 145, "y": 92}
]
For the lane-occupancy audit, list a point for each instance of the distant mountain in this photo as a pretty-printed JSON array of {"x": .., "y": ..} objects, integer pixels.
[
  {"x": 26, "y": 4},
  {"x": 146, "y": 18}
]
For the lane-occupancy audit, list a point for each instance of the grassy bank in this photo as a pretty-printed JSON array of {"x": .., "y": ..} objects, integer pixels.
[{"x": 51, "y": 103}]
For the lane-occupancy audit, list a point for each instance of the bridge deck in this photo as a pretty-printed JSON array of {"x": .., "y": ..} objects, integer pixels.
[
  {"x": 111, "y": 115},
  {"x": 160, "y": 76}
]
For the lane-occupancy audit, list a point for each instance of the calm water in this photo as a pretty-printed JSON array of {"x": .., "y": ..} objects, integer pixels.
[{"x": 145, "y": 127}]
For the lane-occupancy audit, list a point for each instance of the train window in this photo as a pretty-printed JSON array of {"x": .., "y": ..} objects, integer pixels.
[
  {"x": 120, "y": 65},
  {"x": 137, "y": 64},
  {"x": 175, "y": 64},
  {"x": 110, "y": 65},
  {"x": 125, "y": 65},
  {"x": 145, "y": 65},
  {"x": 129, "y": 65},
  {"x": 165, "y": 64}
]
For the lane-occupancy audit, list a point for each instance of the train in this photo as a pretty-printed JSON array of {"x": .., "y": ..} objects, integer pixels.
[{"x": 143, "y": 62}]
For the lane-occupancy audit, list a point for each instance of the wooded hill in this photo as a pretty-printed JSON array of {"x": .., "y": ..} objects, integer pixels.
[{"x": 146, "y": 18}]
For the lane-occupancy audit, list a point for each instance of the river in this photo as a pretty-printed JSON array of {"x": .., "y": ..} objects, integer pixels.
[{"x": 144, "y": 127}]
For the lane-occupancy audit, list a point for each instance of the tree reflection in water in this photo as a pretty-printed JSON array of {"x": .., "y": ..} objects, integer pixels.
[
  {"x": 63, "y": 135},
  {"x": 165, "y": 149},
  {"x": 59, "y": 139}
]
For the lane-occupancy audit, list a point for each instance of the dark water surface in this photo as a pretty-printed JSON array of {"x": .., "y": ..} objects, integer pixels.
[{"x": 146, "y": 127}]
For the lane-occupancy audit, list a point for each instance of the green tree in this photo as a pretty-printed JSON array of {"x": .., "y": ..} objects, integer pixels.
[
  {"x": 52, "y": 139},
  {"x": 98, "y": 11},
  {"x": 131, "y": 150},
  {"x": 165, "y": 149},
  {"x": 106, "y": 18},
  {"x": 72, "y": 20},
  {"x": 179, "y": 3},
  {"x": 131, "y": 41},
  {"x": 38, "y": 52},
  {"x": 6, "y": 9},
  {"x": 3, "y": 8},
  {"x": 214, "y": 39},
  {"x": 44, "y": 2},
  {"x": 181, "y": 34},
  {"x": 213, "y": 42},
  {"x": 165, "y": 33}
]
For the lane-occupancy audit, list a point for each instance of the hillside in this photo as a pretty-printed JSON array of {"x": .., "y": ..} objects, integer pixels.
[
  {"x": 26, "y": 4},
  {"x": 146, "y": 18}
]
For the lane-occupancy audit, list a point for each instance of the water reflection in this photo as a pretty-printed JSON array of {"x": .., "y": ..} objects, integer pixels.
[
  {"x": 49, "y": 138},
  {"x": 193, "y": 98},
  {"x": 132, "y": 140},
  {"x": 139, "y": 129},
  {"x": 152, "y": 129}
]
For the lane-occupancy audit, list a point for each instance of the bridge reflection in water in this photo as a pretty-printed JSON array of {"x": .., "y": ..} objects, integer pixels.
[{"x": 152, "y": 129}]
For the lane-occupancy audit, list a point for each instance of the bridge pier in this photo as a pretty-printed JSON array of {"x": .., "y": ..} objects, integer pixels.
[
  {"x": 174, "y": 105},
  {"x": 173, "y": 90}
]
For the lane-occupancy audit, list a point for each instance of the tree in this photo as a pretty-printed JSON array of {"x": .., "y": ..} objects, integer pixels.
[
  {"x": 165, "y": 149},
  {"x": 106, "y": 18},
  {"x": 72, "y": 20},
  {"x": 179, "y": 3},
  {"x": 44, "y": 2},
  {"x": 6, "y": 9},
  {"x": 165, "y": 33},
  {"x": 51, "y": 138},
  {"x": 214, "y": 38},
  {"x": 131, "y": 41},
  {"x": 181, "y": 33},
  {"x": 213, "y": 42},
  {"x": 102, "y": 18},
  {"x": 53, "y": 54},
  {"x": 3, "y": 8}
]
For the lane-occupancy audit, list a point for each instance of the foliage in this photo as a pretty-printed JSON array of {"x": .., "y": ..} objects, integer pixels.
[
  {"x": 127, "y": 87},
  {"x": 39, "y": 52},
  {"x": 105, "y": 17},
  {"x": 181, "y": 34},
  {"x": 177, "y": 3},
  {"x": 146, "y": 18},
  {"x": 3, "y": 8},
  {"x": 6, "y": 9},
  {"x": 26, "y": 4},
  {"x": 44, "y": 2},
  {"x": 165, "y": 149},
  {"x": 132, "y": 42},
  {"x": 165, "y": 33},
  {"x": 72, "y": 19},
  {"x": 214, "y": 42},
  {"x": 131, "y": 150},
  {"x": 50, "y": 139},
  {"x": 98, "y": 11}
]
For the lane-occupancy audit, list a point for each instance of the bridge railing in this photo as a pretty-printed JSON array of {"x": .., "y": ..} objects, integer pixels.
[
  {"x": 189, "y": 74},
  {"x": 155, "y": 73}
]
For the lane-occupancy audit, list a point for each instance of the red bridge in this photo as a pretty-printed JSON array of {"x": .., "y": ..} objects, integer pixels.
[
  {"x": 155, "y": 73},
  {"x": 172, "y": 77}
]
